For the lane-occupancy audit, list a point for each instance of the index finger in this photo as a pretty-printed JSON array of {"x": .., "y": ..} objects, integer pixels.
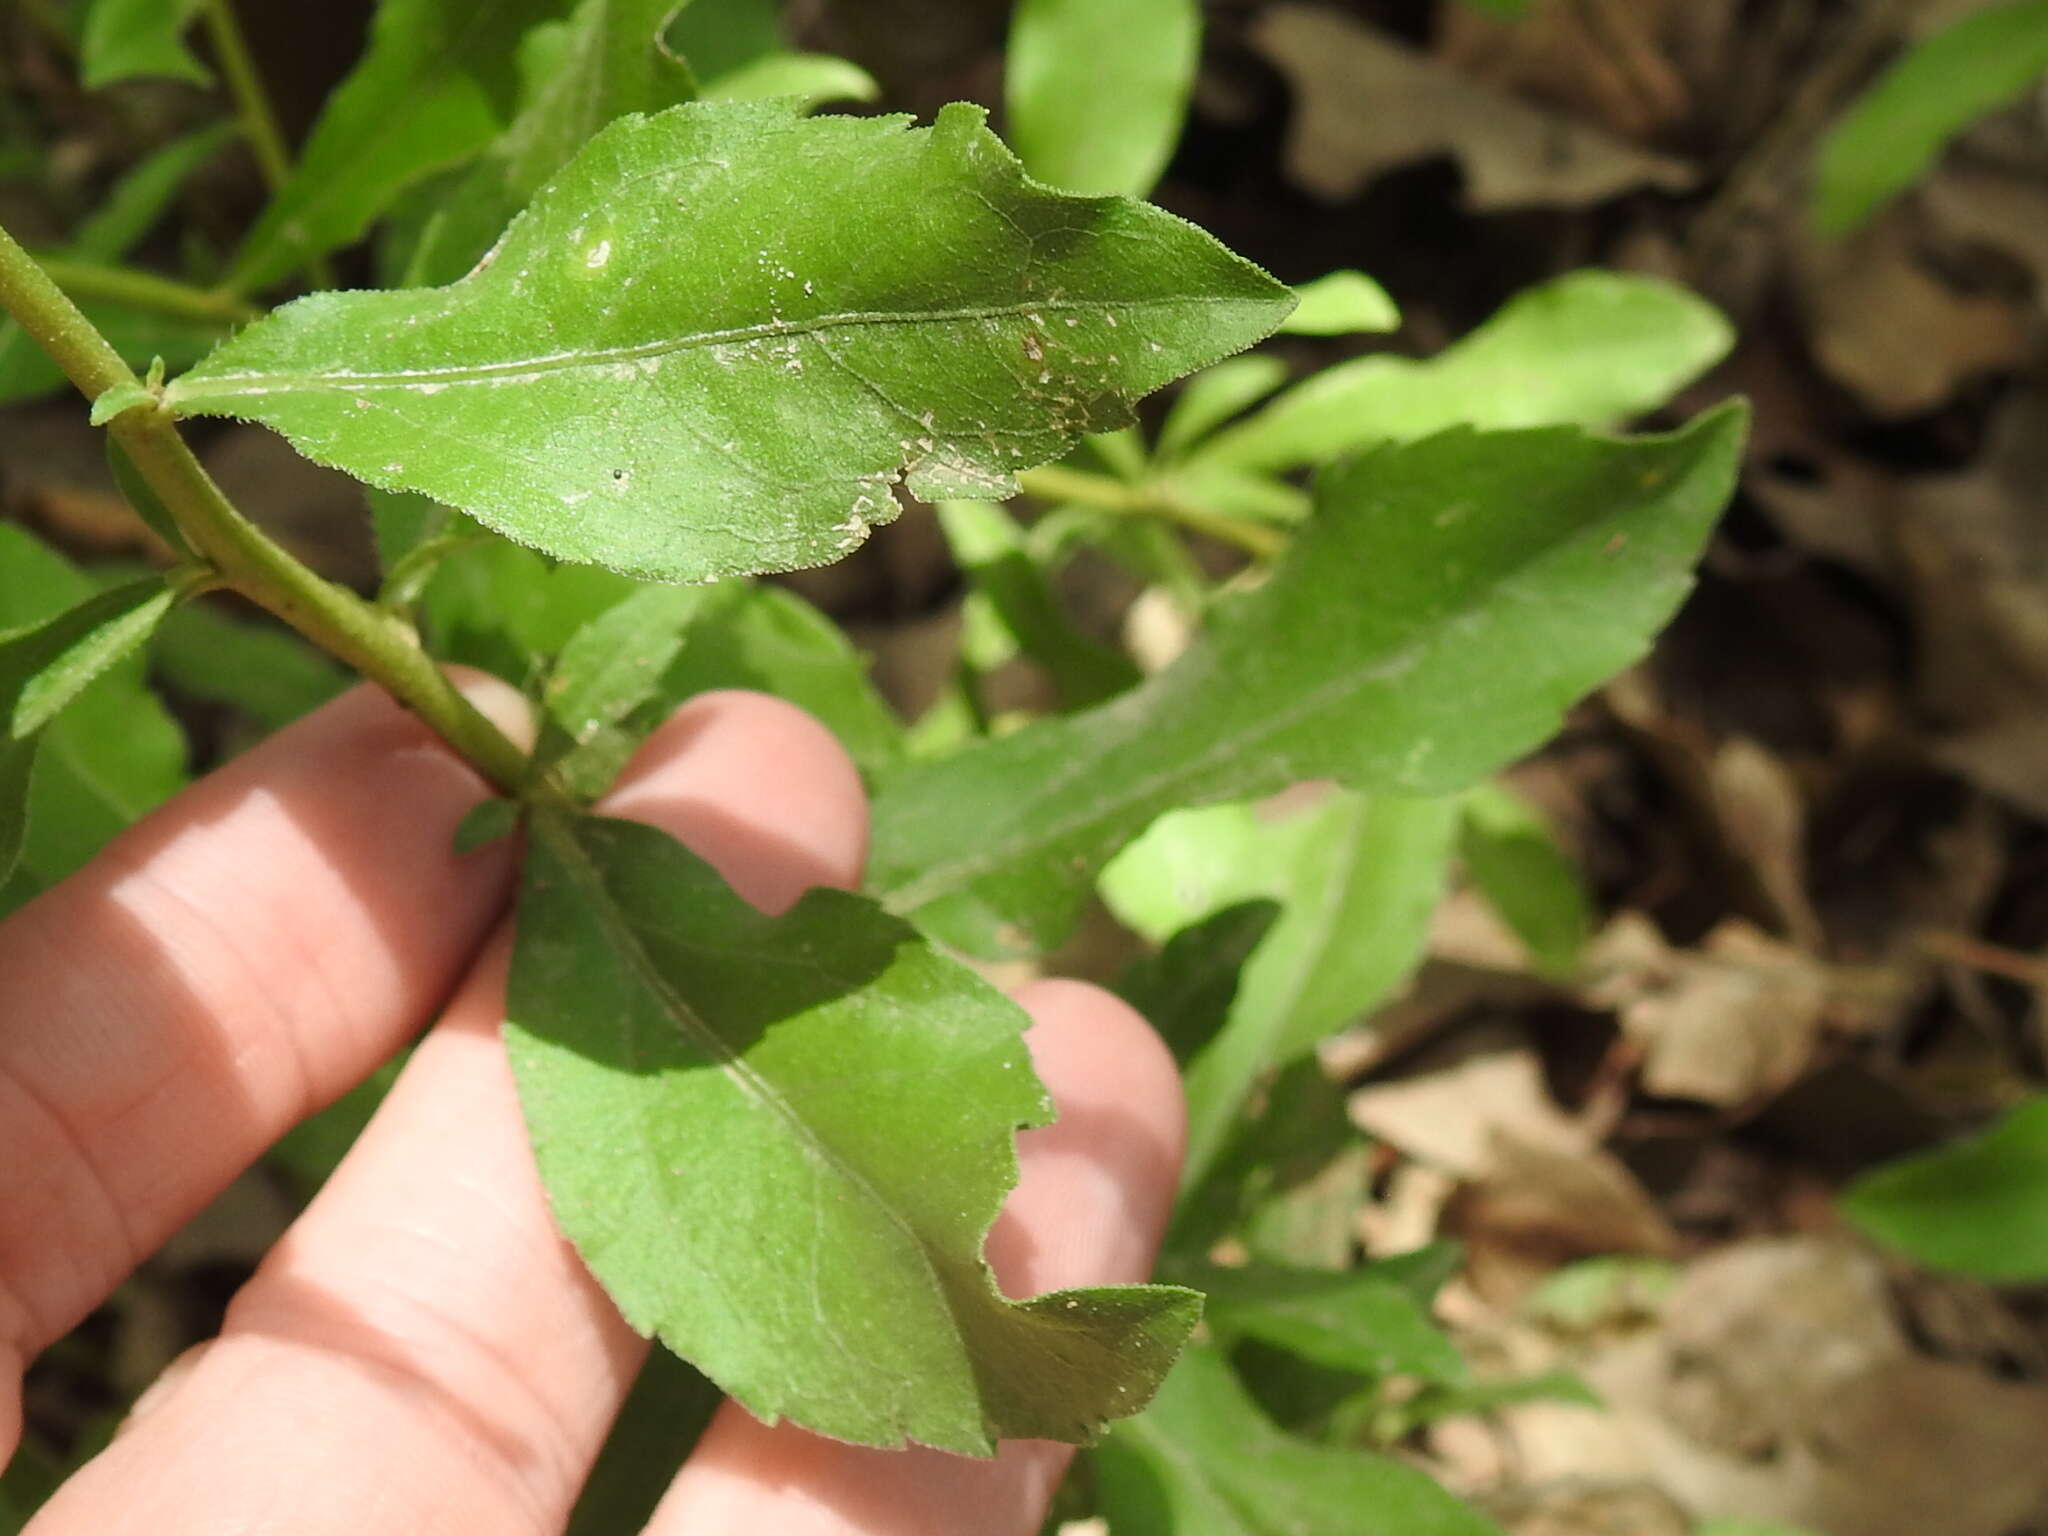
[{"x": 227, "y": 966}]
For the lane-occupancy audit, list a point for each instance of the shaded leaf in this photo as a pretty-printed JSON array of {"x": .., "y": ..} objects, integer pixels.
[
  {"x": 606, "y": 60},
  {"x": 432, "y": 88},
  {"x": 1356, "y": 879},
  {"x": 1593, "y": 348},
  {"x": 1448, "y": 601},
  {"x": 1203, "y": 1461},
  {"x": 991, "y": 551},
  {"x": 1342, "y": 304},
  {"x": 127, "y": 38},
  {"x": 716, "y": 37},
  {"x": 780, "y": 1141},
  {"x": 668, "y": 1409},
  {"x": 1515, "y": 862},
  {"x": 1185, "y": 990},
  {"x": 44, "y": 668},
  {"x": 486, "y": 823},
  {"x": 1894, "y": 133},
  {"x": 634, "y": 383},
  {"x": 1979, "y": 1207},
  {"x": 1097, "y": 90},
  {"x": 140, "y": 198},
  {"x": 508, "y": 610}
]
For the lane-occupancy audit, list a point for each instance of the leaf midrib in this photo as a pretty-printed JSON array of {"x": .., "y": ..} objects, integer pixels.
[
  {"x": 519, "y": 370},
  {"x": 956, "y": 876},
  {"x": 626, "y": 943}
]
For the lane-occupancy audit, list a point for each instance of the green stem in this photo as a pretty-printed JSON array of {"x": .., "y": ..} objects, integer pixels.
[
  {"x": 253, "y": 109},
  {"x": 146, "y": 290},
  {"x": 379, "y": 646},
  {"x": 1055, "y": 482}
]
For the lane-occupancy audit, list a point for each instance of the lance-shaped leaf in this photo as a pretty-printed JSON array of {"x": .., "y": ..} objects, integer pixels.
[
  {"x": 696, "y": 354},
  {"x": 1596, "y": 348},
  {"x": 779, "y": 1142},
  {"x": 1448, "y": 601},
  {"x": 1357, "y": 877},
  {"x": 1204, "y": 1461},
  {"x": 433, "y": 88},
  {"x": 1097, "y": 93},
  {"x": 45, "y": 667}
]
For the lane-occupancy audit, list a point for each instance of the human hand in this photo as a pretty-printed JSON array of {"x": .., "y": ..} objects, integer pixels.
[{"x": 421, "y": 1352}]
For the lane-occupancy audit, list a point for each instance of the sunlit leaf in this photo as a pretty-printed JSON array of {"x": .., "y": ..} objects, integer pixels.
[
  {"x": 1356, "y": 878},
  {"x": 1204, "y": 1461},
  {"x": 1342, "y": 304},
  {"x": 1894, "y": 133},
  {"x": 1592, "y": 348},
  {"x": 1979, "y": 1207},
  {"x": 1097, "y": 89},
  {"x": 1513, "y": 859},
  {"x": 1448, "y": 601},
  {"x": 779, "y": 1142},
  {"x": 692, "y": 357},
  {"x": 434, "y": 86}
]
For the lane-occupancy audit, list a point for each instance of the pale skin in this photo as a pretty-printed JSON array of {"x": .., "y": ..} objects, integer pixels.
[{"x": 421, "y": 1352}]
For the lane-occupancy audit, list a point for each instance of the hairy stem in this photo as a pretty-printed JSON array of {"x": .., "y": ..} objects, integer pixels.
[
  {"x": 379, "y": 646},
  {"x": 253, "y": 110},
  {"x": 1055, "y": 482},
  {"x": 146, "y": 290}
]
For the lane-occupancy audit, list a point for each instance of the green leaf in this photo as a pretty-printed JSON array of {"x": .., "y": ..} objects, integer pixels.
[
  {"x": 1357, "y": 879},
  {"x": 127, "y": 38},
  {"x": 1894, "y": 133},
  {"x": 494, "y": 605},
  {"x": 141, "y": 197},
  {"x": 1513, "y": 10},
  {"x": 717, "y": 37},
  {"x": 1978, "y": 1207},
  {"x": 635, "y": 383},
  {"x": 1592, "y": 348},
  {"x": 1097, "y": 90},
  {"x": 1342, "y": 304},
  {"x": 991, "y": 551},
  {"x": 112, "y": 754},
  {"x": 44, "y": 668},
  {"x": 433, "y": 88},
  {"x": 1449, "y": 600},
  {"x": 1215, "y": 395},
  {"x": 606, "y": 60},
  {"x": 1185, "y": 990},
  {"x": 487, "y": 822},
  {"x": 1348, "y": 1320},
  {"x": 1203, "y": 1461},
  {"x": 1749, "y": 1528},
  {"x": 779, "y": 1143},
  {"x": 812, "y": 78},
  {"x": 668, "y": 1409},
  {"x": 1515, "y": 862},
  {"x": 624, "y": 672}
]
